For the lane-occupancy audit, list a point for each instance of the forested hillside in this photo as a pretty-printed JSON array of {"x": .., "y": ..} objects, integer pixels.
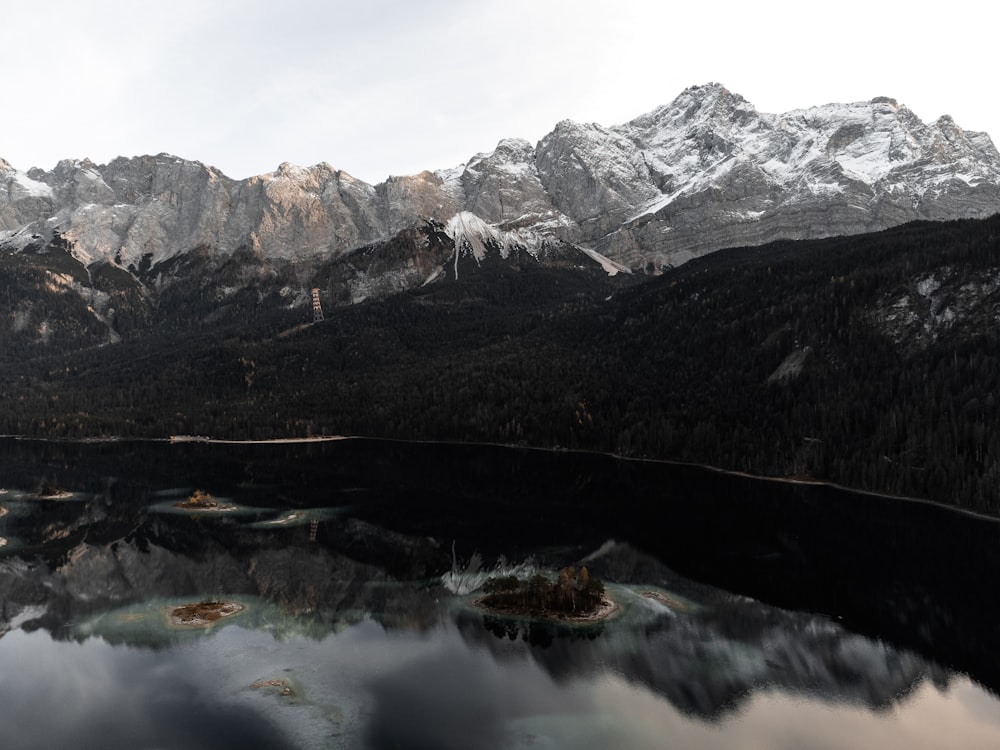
[{"x": 871, "y": 361}]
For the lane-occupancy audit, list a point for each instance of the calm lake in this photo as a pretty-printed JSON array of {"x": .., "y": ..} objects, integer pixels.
[{"x": 751, "y": 614}]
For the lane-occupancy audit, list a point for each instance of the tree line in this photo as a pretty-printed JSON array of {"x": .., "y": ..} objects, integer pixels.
[{"x": 682, "y": 366}]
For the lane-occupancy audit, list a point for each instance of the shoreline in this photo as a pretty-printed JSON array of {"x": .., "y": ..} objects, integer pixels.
[
  {"x": 177, "y": 439},
  {"x": 792, "y": 480}
]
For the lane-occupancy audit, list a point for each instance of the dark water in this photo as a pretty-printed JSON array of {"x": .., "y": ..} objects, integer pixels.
[{"x": 752, "y": 614}]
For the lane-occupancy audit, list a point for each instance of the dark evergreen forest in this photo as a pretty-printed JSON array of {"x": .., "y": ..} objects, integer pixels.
[{"x": 795, "y": 359}]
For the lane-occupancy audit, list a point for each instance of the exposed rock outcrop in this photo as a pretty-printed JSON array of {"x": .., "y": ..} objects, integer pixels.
[{"x": 704, "y": 172}]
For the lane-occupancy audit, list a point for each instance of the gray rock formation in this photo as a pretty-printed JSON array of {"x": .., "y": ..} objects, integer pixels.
[{"x": 704, "y": 172}]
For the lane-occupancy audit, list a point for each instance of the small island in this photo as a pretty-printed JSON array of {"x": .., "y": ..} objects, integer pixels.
[
  {"x": 282, "y": 687},
  {"x": 51, "y": 491},
  {"x": 575, "y": 596},
  {"x": 203, "y": 614},
  {"x": 203, "y": 501}
]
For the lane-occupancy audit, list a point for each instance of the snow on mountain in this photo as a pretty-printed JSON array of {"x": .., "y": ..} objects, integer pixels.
[
  {"x": 473, "y": 233},
  {"x": 21, "y": 199},
  {"x": 27, "y": 187},
  {"x": 703, "y": 172},
  {"x": 727, "y": 174},
  {"x": 505, "y": 187}
]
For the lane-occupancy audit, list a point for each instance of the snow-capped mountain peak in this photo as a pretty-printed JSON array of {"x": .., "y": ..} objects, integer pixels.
[{"x": 705, "y": 171}]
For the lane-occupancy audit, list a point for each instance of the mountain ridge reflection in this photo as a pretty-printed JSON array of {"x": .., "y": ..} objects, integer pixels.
[{"x": 322, "y": 554}]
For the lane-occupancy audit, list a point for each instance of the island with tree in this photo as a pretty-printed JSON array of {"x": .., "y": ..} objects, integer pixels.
[
  {"x": 575, "y": 596},
  {"x": 204, "y": 502}
]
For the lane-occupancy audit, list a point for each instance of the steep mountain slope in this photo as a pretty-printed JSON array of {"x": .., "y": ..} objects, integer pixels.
[
  {"x": 494, "y": 301},
  {"x": 704, "y": 172},
  {"x": 57, "y": 303},
  {"x": 870, "y": 360},
  {"x": 709, "y": 171}
]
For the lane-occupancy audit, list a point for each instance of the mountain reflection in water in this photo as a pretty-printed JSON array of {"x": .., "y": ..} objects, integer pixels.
[{"x": 348, "y": 636}]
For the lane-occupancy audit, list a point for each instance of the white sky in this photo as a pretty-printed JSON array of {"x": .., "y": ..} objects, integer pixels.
[{"x": 380, "y": 87}]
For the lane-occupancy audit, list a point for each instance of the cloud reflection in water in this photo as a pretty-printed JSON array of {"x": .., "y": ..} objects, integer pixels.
[
  {"x": 459, "y": 697},
  {"x": 93, "y": 696}
]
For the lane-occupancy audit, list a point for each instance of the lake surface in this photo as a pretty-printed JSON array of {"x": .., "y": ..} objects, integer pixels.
[{"x": 751, "y": 614}]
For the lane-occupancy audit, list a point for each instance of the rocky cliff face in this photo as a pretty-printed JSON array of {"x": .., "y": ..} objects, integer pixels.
[
  {"x": 704, "y": 172},
  {"x": 838, "y": 169}
]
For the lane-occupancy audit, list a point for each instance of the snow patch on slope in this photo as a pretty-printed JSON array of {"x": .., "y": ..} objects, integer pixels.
[
  {"x": 470, "y": 231},
  {"x": 29, "y": 187},
  {"x": 612, "y": 268}
]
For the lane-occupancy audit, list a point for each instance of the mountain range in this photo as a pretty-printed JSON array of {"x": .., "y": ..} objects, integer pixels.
[
  {"x": 704, "y": 283},
  {"x": 704, "y": 172}
]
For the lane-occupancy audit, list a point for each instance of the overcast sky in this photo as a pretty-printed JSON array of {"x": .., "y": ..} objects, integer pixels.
[{"x": 386, "y": 87}]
